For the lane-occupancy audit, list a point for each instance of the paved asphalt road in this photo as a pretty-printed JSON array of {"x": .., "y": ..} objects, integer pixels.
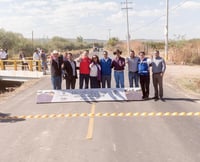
[{"x": 110, "y": 139}]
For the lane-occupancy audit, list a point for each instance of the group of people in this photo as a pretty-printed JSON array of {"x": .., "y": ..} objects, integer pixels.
[
  {"x": 38, "y": 55},
  {"x": 98, "y": 71},
  {"x": 139, "y": 71}
]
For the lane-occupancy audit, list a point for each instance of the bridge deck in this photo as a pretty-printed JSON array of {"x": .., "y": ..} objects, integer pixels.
[{"x": 12, "y": 75}]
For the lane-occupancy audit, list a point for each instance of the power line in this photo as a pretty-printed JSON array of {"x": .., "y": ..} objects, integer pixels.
[
  {"x": 150, "y": 23},
  {"x": 158, "y": 18},
  {"x": 179, "y": 5},
  {"x": 166, "y": 30},
  {"x": 127, "y": 8}
]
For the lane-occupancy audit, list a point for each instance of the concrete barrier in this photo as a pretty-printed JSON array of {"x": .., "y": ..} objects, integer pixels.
[{"x": 12, "y": 75}]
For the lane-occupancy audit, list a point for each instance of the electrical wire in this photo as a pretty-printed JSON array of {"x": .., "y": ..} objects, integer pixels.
[{"x": 158, "y": 18}]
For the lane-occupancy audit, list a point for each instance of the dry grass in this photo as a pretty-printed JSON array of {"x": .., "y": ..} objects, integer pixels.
[
  {"x": 192, "y": 84},
  {"x": 184, "y": 78}
]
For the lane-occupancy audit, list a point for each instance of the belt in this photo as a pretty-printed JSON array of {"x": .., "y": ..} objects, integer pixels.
[
  {"x": 134, "y": 71},
  {"x": 119, "y": 70}
]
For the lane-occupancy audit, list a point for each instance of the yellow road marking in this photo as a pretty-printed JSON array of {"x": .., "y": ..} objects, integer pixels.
[
  {"x": 91, "y": 122},
  {"x": 92, "y": 114}
]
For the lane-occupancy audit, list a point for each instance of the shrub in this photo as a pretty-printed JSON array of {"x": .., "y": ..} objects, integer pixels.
[{"x": 195, "y": 59}]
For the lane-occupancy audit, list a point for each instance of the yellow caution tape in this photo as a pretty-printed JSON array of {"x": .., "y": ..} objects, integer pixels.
[{"x": 114, "y": 114}]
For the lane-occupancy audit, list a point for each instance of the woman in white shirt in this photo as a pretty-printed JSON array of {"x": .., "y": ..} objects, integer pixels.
[{"x": 95, "y": 72}]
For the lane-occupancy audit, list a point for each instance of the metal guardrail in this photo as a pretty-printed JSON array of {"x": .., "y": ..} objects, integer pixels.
[{"x": 28, "y": 65}]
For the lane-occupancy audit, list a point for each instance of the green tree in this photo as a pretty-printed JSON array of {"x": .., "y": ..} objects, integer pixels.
[
  {"x": 79, "y": 39},
  {"x": 113, "y": 42},
  {"x": 15, "y": 42},
  {"x": 156, "y": 45}
]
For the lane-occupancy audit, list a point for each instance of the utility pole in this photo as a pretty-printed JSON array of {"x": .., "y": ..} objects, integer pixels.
[
  {"x": 109, "y": 31},
  {"x": 127, "y": 23},
  {"x": 166, "y": 30},
  {"x": 32, "y": 41}
]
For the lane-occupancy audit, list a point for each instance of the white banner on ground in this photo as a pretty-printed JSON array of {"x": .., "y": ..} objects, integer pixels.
[{"x": 82, "y": 95}]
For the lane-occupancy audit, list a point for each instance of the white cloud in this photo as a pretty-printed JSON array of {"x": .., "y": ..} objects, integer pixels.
[
  {"x": 36, "y": 3},
  {"x": 116, "y": 18},
  {"x": 191, "y": 5},
  {"x": 45, "y": 16},
  {"x": 91, "y": 19},
  {"x": 150, "y": 13},
  {"x": 2, "y": 1}
]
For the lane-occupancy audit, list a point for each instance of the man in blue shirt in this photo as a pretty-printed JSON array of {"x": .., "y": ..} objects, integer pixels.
[
  {"x": 143, "y": 71},
  {"x": 106, "y": 70}
]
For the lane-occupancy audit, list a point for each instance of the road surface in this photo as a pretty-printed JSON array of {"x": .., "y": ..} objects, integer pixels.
[{"x": 156, "y": 137}]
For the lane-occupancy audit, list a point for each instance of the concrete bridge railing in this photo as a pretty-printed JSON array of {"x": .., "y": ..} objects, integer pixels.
[
  {"x": 18, "y": 70},
  {"x": 28, "y": 65}
]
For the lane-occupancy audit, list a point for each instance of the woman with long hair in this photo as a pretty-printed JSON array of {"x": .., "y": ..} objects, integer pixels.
[{"x": 95, "y": 72}]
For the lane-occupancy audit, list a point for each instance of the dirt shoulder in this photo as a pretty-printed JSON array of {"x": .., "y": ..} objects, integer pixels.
[
  {"x": 25, "y": 85},
  {"x": 185, "y": 78}
]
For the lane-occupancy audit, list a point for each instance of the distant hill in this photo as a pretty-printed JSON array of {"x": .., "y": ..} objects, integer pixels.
[
  {"x": 73, "y": 40},
  {"x": 89, "y": 40}
]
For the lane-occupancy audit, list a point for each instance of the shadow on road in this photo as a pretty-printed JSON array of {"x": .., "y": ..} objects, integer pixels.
[
  {"x": 182, "y": 99},
  {"x": 6, "y": 118}
]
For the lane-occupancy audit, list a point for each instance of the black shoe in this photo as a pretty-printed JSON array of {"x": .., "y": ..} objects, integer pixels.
[
  {"x": 155, "y": 98},
  {"x": 162, "y": 99}
]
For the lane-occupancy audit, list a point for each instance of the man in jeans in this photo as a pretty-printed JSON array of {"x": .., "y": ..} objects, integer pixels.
[
  {"x": 158, "y": 68},
  {"x": 118, "y": 64},
  {"x": 132, "y": 62},
  {"x": 106, "y": 70}
]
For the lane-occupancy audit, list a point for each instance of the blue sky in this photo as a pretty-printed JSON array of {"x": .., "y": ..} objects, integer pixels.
[{"x": 94, "y": 18}]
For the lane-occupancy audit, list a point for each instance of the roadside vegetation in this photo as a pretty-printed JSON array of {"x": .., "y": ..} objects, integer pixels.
[
  {"x": 15, "y": 42},
  {"x": 192, "y": 84},
  {"x": 181, "y": 51}
]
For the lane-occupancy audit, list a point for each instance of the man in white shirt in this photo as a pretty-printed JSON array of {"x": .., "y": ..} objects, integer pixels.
[
  {"x": 3, "y": 56},
  {"x": 36, "y": 58}
]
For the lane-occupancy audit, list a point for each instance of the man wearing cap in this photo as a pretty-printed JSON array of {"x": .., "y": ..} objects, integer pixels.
[
  {"x": 56, "y": 70},
  {"x": 106, "y": 70},
  {"x": 158, "y": 68},
  {"x": 118, "y": 64}
]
